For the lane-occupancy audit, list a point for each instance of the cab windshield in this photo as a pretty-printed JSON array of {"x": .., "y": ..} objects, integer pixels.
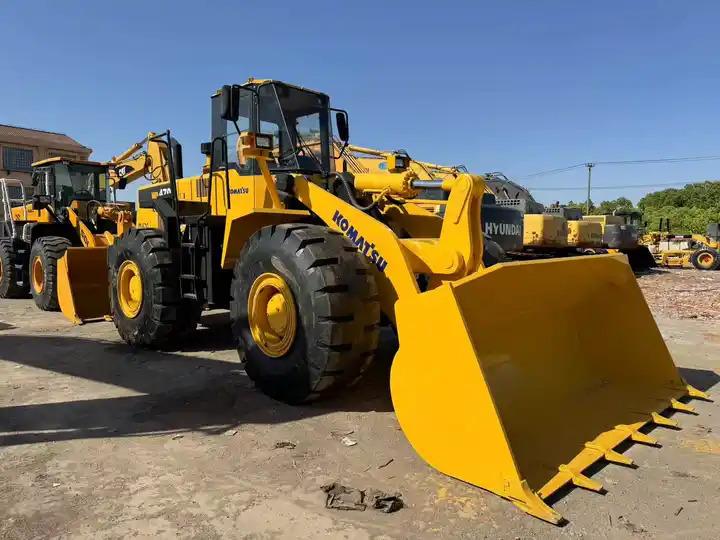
[
  {"x": 79, "y": 182},
  {"x": 298, "y": 120}
]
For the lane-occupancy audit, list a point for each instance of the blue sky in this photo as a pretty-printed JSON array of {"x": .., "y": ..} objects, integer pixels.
[{"x": 513, "y": 86}]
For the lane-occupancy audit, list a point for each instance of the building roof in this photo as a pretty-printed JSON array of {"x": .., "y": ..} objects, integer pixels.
[{"x": 36, "y": 137}]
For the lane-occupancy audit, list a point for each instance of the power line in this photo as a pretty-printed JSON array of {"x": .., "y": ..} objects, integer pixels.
[
  {"x": 623, "y": 162},
  {"x": 624, "y": 186}
]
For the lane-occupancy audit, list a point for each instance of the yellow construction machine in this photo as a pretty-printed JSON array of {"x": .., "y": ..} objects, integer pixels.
[
  {"x": 69, "y": 207},
  {"x": 82, "y": 271},
  {"x": 502, "y": 226},
  {"x": 699, "y": 251},
  {"x": 514, "y": 397}
]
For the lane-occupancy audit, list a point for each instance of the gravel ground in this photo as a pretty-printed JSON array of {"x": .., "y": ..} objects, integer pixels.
[
  {"x": 682, "y": 294},
  {"x": 101, "y": 441}
]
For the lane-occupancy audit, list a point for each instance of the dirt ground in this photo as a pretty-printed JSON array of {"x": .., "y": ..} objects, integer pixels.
[{"x": 100, "y": 441}]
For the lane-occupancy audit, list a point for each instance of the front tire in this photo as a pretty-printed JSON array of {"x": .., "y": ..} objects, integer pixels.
[
  {"x": 144, "y": 290},
  {"x": 44, "y": 256},
  {"x": 312, "y": 282}
]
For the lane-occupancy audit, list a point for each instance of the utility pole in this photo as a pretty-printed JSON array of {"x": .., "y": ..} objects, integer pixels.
[{"x": 587, "y": 204}]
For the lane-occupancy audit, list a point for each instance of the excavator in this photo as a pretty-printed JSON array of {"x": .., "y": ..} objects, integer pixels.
[{"x": 512, "y": 396}]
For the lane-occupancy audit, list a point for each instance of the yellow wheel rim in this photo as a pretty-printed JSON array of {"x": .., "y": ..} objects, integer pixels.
[
  {"x": 38, "y": 275},
  {"x": 130, "y": 289},
  {"x": 271, "y": 314},
  {"x": 705, "y": 260}
]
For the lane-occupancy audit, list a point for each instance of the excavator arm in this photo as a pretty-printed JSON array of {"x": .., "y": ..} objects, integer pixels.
[{"x": 148, "y": 158}]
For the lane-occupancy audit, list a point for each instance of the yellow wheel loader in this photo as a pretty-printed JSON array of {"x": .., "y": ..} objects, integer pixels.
[
  {"x": 82, "y": 271},
  {"x": 69, "y": 207},
  {"x": 307, "y": 258}
]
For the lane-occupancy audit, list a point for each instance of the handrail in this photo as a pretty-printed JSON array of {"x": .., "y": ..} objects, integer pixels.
[{"x": 7, "y": 200}]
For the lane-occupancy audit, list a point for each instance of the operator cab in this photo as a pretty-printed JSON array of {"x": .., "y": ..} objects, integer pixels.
[
  {"x": 297, "y": 119},
  {"x": 60, "y": 182}
]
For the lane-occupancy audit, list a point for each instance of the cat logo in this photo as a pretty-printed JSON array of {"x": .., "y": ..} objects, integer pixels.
[{"x": 124, "y": 170}]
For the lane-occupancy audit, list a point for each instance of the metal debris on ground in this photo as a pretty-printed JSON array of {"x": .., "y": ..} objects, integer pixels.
[
  {"x": 386, "y": 502},
  {"x": 178, "y": 436},
  {"x": 388, "y": 462},
  {"x": 341, "y": 497},
  {"x": 677, "y": 512},
  {"x": 347, "y": 441},
  {"x": 285, "y": 444},
  {"x": 341, "y": 433}
]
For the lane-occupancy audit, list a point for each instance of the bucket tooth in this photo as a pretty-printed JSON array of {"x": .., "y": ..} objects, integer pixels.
[
  {"x": 580, "y": 480},
  {"x": 680, "y": 406},
  {"x": 535, "y": 506},
  {"x": 661, "y": 420},
  {"x": 637, "y": 436},
  {"x": 610, "y": 455},
  {"x": 695, "y": 393}
]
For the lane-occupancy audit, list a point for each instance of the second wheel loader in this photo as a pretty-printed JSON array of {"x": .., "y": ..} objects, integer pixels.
[{"x": 511, "y": 396}]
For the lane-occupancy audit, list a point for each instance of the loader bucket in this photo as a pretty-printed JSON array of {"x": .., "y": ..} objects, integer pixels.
[
  {"x": 83, "y": 284},
  {"x": 519, "y": 377}
]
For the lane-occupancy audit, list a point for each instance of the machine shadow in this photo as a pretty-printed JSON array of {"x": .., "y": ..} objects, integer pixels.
[
  {"x": 702, "y": 379},
  {"x": 179, "y": 393}
]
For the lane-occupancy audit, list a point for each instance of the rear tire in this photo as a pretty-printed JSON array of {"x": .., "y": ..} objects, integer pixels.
[
  {"x": 9, "y": 286},
  {"x": 42, "y": 270},
  {"x": 705, "y": 259},
  {"x": 160, "y": 315},
  {"x": 335, "y": 306}
]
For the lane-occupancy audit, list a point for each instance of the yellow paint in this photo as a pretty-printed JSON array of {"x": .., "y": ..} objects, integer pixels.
[
  {"x": 38, "y": 275},
  {"x": 272, "y": 314},
  {"x": 545, "y": 230},
  {"x": 703, "y": 446},
  {"x": 130, "y": 289},
  {"x": 83, "y": 291}
]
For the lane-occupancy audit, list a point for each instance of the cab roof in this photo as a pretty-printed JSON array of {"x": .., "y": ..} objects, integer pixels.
[{"x": 67, "y": 161}]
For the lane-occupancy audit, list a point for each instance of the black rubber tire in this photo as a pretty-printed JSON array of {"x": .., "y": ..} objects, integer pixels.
[
  {"x": 10, "y": 287},
  {"x": 695, "y": 259},
  {"x": 49, "y": 249},
  {"x": 337, "y": 306},
  {"x": 163, "y": 315}
]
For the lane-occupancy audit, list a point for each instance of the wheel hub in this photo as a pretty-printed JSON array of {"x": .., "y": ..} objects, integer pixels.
[
  {"x": 38, "y": 275},
  {"x": 130, "y": 289},
  {"x": 705, "y": 259},
  {"x": 271, "y": 314}
]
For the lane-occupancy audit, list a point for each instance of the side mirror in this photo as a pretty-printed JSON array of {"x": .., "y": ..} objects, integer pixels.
[
  {"x": 341, "y": 120},
  {"x": 230, "y": 102},
  {"x": 121, "y": 184}
]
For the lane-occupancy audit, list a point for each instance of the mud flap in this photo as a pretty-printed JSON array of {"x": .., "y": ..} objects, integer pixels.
[
  {"x": 519, "y": 377},
  {"x": 83, "y": 284}
]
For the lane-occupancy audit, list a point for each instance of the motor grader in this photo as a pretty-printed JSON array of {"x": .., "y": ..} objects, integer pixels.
[
  {"x": 510, "y": 396},
  {"x": 698, "y": 251}
]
